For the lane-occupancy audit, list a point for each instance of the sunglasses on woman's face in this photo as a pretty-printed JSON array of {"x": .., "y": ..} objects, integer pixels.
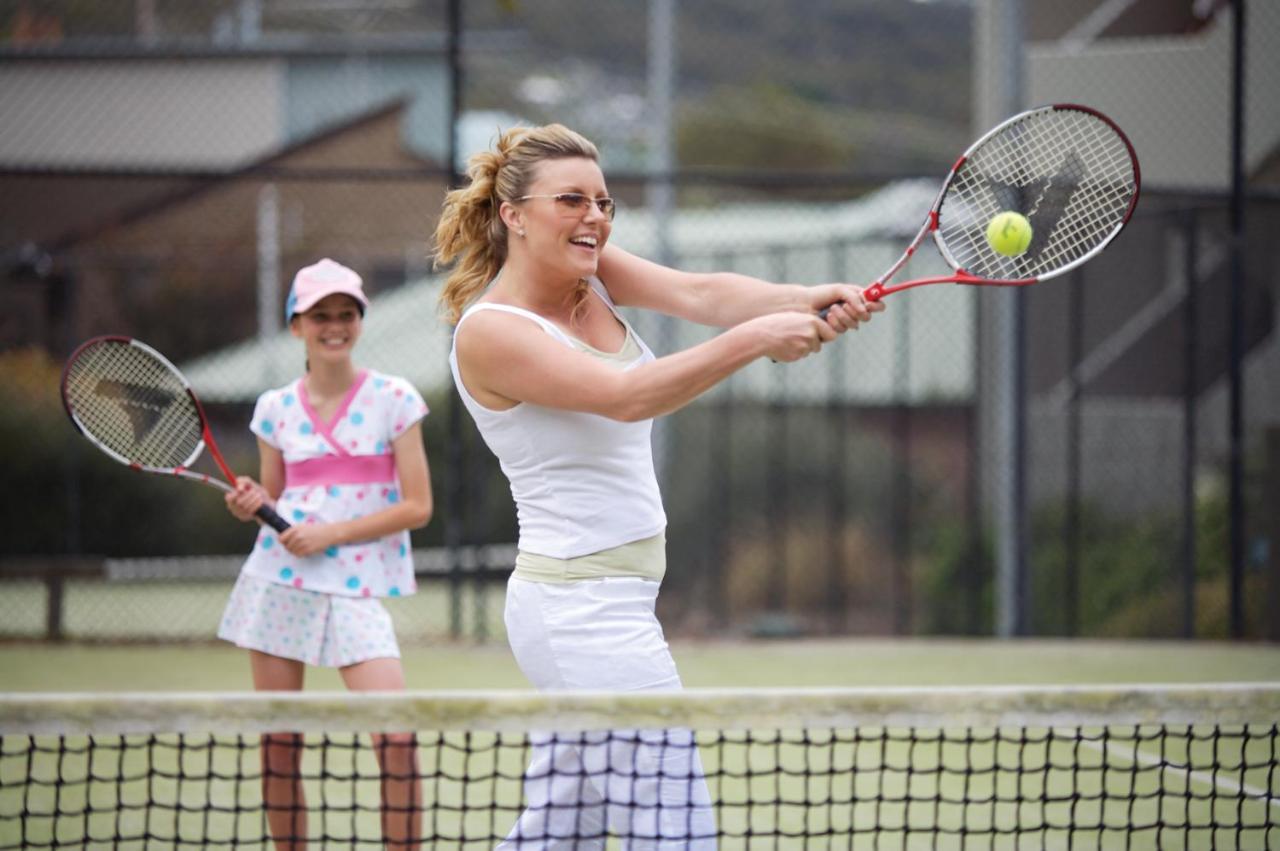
[{"x": 577, "y": 204}]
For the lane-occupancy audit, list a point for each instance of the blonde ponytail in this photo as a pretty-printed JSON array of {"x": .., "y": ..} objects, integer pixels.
[{"x": 470, "y": 230}]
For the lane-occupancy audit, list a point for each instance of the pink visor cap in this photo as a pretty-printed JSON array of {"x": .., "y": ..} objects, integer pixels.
[{"x": 321, "y": 279}]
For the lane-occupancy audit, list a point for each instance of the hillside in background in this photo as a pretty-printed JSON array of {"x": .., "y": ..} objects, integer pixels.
[
  {"x": 873, "y": 87},
  {"x": 868, "y": 86}
]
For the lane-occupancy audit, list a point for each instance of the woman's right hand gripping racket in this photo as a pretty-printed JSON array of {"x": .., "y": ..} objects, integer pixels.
[
  {"x": 1068, "y": 171},
  {"x": 135, "y": 406}
]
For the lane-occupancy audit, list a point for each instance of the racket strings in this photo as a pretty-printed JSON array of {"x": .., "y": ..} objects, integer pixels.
[
  {"x": 1067, "y": 171},
  {"x": 134, "y": 405}
]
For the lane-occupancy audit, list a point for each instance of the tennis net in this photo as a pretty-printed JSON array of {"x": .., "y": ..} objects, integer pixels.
[{"x": 997, "y": 767}]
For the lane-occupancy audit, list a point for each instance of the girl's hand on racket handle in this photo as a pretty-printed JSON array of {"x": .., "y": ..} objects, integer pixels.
[
  {"x": 304, "y": 540},
  {"x": 791, "y": 335},
  {"x": 247, "y": 498},
  {"x": 844, "y": 306}
]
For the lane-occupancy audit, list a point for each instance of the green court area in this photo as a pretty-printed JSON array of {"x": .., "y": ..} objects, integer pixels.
[
  {"x": 1014, "y": 774},
  {"x": 788, "y": 784},
  {"x": 718, "y": 663}
]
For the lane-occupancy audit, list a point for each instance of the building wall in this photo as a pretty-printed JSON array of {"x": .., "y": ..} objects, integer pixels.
[
  {"x": 1172, "y": 95},
  {"x": 141, "y": 113},
  {"x": 322, "y": 91}
]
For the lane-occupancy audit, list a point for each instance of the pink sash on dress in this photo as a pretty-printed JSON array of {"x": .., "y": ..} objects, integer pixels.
[{"x": 341, "y": 470}]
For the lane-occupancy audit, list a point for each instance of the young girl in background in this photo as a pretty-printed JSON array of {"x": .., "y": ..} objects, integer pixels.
[{"x": 342, "y": 459}]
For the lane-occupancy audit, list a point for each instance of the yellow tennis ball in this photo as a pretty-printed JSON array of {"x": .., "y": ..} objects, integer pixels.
[{"x": 1009, "y": 233}]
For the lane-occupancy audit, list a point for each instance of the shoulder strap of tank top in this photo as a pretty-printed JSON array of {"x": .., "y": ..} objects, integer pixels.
[
  {"x": 546, "y": 324},
  {"x": 599, "y": 288}
]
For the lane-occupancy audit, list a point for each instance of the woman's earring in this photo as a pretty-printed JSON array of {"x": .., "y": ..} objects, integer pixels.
[{"x": 520, "y": 233}]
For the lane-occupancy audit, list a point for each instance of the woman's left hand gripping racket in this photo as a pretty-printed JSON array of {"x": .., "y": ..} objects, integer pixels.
[{"x": 135, "y": 406}]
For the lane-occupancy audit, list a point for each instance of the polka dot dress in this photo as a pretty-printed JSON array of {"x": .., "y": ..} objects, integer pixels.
[{"x": 354, "y": 445}]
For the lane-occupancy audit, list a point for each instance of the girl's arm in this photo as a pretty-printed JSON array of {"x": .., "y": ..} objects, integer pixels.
[
  {"x": 271, "y": 469},
  {"x": 724, "y": 299},
  {"x": 506, "y": 359},
  {"x": 249, "y": 496},
  {"x": 412, "y": 511}
]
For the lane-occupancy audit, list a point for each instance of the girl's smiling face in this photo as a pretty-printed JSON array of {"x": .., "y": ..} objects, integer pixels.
[{"x": 330, "y": 329}]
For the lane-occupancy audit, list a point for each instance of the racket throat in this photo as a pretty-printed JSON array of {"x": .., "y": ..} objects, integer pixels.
[{"x": 219, "y": 460}]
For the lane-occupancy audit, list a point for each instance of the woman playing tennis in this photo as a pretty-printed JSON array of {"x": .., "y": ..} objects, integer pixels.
[
  {"x": 342, "y": 459},
  {"x": 564, "y": 392}
]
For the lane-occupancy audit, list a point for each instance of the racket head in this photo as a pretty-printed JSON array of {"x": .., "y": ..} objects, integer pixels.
[
  {"x": 133, "y": 404},
  {"x": 1069, "y": 169}
]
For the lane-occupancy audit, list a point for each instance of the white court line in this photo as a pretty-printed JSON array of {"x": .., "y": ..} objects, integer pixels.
[{"x": 1205, "y": 778}]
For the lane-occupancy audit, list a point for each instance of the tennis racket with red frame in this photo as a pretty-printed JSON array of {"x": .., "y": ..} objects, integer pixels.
[
  {"x": 1068, "y": 169},
  {"x": 135, "y": 406}
]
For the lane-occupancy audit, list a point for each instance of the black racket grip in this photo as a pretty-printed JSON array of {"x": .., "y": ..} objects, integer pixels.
[{"x": 268, "y": 515}]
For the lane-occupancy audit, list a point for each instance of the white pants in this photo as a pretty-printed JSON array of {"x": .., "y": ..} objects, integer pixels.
[{"x": 645, "y": 786}]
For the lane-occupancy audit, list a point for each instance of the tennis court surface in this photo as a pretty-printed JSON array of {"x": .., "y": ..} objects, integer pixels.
[{"x": 1150, "y": 766}]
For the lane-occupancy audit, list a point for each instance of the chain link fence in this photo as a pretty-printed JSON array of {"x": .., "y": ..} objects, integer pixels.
[{"x": 167, "y": 166}]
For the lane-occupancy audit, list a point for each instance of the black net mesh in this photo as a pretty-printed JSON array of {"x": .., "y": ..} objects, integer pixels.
[{"x": 1012, "y": 769}]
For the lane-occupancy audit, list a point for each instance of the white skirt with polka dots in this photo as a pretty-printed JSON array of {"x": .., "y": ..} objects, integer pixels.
[{"x": 328, "y": 630}]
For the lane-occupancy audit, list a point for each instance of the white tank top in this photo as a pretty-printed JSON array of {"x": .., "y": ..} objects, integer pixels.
[{"x": 581, "y": 482}]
